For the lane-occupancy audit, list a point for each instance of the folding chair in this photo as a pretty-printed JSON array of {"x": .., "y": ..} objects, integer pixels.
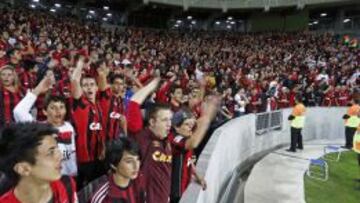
[
  {"x": 336, "y": 153},
  {"x": 318, "y": 169}
]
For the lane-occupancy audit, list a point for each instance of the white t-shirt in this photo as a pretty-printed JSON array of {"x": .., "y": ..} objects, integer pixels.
[
  {"x": 68, "y": 149},
  {"x": 240, "y": 103},
  {"x": 66, "y": 137}
]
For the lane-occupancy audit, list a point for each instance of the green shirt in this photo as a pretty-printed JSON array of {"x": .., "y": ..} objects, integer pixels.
[
  {"x": 353, "y": 122},
  {"x": 298, "y": 122}
]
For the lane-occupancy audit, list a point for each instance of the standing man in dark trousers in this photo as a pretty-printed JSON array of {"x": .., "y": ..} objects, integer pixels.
[{"x": 297, "y": 119}]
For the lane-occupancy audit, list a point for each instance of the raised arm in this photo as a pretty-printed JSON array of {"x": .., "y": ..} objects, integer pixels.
[
  {"x": 140, "y": 96},
  {"x": 103, "y": 72},
  {"x": 76, "y": 90},
  {"x": 208, "y": 114},
  {"x": 133, "y": 114},
  {"x": 22, "y": 109}
]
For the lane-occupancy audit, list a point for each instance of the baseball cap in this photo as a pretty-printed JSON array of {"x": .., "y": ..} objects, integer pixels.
[{"x": 180, "y": 116}]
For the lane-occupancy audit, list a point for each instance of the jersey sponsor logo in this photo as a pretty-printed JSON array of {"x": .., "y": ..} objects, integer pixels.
[
  {"x": 64, "y": 137},
  {"x": 95, "y": 126},
  {"x": 67, "y": 154},
  {"x": 115, "y": 115},
  {"x": 161, "y": 157}
]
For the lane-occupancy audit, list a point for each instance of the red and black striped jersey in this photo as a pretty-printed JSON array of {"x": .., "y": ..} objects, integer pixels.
[
  {"x": 108, "y": 192},
  {"x": 181, "y": 165},
  {"x": 113, "y": 109},
  {"x": 27, "y": 80},
  {"x": 8, "y": 101},
  {"x": 87, "y": 118}
]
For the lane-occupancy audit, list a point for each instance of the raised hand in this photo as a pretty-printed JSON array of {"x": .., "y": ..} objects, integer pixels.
[
  {"x": 210, "y": 107},
  {"x": 44, "y": 85},
  {"x": 103, "y": 70}
]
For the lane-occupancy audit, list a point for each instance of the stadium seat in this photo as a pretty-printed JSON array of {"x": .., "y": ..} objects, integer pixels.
[
  {"x": 332, "y": 153},
  {"x": 318, "y": 169}
]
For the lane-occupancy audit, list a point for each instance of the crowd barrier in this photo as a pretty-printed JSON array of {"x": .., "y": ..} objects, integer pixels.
[{"x": 240, "y": 140}]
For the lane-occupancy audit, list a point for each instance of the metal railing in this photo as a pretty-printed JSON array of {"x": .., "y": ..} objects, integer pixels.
[{"x": 268, "y": 121}]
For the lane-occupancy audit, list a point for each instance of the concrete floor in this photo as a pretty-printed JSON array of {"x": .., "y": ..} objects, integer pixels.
[{"x": 279, "y": 176}]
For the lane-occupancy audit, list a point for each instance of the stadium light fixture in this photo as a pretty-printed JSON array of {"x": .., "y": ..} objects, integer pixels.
[
  {"x": 230, "y": 18},
  {"x": 53, "y": 10},
  {"x": 58, "y": 5},
  {"x": 178, "y": 21},
  {"x": 91, "y": 11},
  {"x": 217, "y": 22},
  {"x": 300, "y": 5},
  {"x": 189, "y": 17},
  {"x": 347, "y": 20},
  {"x": 323, "y": 14},
  {"x": 36, "y": 1},
  {"x": 267, "y": 8},
  {"x": 316, "y": 22},
  {"x": 109, "y": 15},
  {"x": 106, "y": 8},
  {"x": 232, "y": 22}
]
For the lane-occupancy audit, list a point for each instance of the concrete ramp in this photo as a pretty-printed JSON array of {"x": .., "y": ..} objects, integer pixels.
[{"x": 279, "y": 176}]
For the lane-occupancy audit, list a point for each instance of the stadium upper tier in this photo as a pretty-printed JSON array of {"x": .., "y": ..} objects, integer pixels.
[{"x": 243, "y": 4}]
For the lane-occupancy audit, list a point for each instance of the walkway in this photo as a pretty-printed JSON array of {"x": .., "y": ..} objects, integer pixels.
[{"x": 279, "y": 176}]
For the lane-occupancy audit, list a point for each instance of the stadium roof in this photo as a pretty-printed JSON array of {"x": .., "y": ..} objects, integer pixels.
[
  {"x": 242, "y": 4},
  {"x": 221, "y": 4}
]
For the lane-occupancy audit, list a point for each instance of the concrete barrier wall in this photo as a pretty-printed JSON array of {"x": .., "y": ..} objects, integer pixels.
[{"x": 235, "y": 142}]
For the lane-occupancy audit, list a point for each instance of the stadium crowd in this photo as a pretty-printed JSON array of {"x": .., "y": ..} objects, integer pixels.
[{"x": 162, "y": 89}]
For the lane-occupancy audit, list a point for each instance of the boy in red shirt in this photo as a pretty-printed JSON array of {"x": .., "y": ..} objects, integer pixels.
[
  {"x": 124, "y": 184},
  {"x": 31, "y": 162}
]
